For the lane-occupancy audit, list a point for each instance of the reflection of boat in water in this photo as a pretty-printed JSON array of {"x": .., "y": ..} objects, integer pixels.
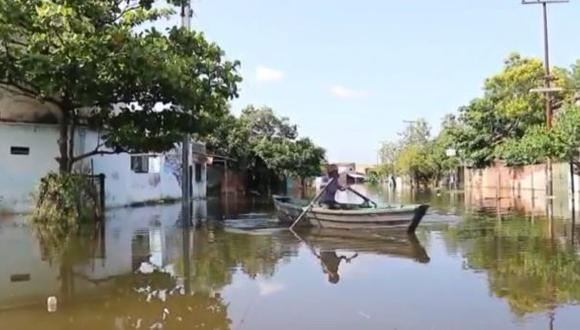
[
  {"x": 391, "y": 243},
  {"x": 327, "y": 245},
  {"x": 352, "y": 216}
]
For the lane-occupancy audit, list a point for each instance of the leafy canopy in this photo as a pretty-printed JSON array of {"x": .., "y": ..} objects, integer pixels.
[
  {"x": 93, "y": 60},
  {"x": 506, "y": 121},
  {"x": 266, "y": 145}
]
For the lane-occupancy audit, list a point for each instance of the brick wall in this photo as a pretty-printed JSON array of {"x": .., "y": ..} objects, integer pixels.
[{"x": 518, "y": 188}]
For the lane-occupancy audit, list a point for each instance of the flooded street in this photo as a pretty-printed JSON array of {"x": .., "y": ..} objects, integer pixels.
[{"x": 470, "y": 266}]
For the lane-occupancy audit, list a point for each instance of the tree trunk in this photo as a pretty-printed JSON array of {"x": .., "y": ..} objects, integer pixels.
[
  {"x": 71, "y": 140},
  {"x": 302, "y": 187},
  {"x": 63, "y": 143}
]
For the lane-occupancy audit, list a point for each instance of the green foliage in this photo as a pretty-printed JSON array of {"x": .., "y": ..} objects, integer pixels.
[
  {"x": 308, "y": 159},
  {"x": 64, "y": 203},
  {"x": 562, "y": 142},
  {"x": 505, "y": 122},
  {"x": 418, "y": 156},
  {"x": 417, "y": 132},
  {"x": 414, "y": 161},
  {"x": 388, "y": 155},
  {"x": 267, "y": 146},
  {"x": 65, "y": 199},
  {"x": 566, "y": 134},
  {"x": 532, "y": 148},
  {"x": 91, "y": 60}
]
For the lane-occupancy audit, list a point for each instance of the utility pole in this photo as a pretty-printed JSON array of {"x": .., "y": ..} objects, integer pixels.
[
  {"x": 185, "y": 146},
  {"x": 547, "y": 90}
]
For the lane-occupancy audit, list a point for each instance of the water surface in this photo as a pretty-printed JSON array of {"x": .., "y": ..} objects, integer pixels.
[{"x": 470, "y": 266}]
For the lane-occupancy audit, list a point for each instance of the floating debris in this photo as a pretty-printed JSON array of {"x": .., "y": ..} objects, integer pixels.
[{"x": 51, "y": 304}]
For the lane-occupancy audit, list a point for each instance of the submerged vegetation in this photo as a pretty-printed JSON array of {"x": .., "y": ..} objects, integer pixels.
[{"x": 66, "y": 199}]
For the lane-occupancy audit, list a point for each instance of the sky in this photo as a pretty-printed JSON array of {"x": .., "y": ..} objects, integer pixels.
[{"x": 349, "y": 73}]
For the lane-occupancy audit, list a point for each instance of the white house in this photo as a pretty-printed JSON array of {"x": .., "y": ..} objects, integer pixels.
[{"x": 28, "y": 148}]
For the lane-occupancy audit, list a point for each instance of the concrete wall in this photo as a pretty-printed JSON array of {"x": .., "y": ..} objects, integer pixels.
[
  {"x": 20, "y": 174},
  {"x": 20, "y": 108},
  {"x": 519, "y": 188}
]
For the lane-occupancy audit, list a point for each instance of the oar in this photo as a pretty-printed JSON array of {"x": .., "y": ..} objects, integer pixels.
[
  {"x": 363, "y": 196},
  {"x": 311, "y": 204}
]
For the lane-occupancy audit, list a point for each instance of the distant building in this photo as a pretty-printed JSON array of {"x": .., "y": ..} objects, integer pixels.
[
  {"x": 350, "y": 171},
  {"x": 28, "y": 148},
  {"x": 345, "y": 167},
  {"x": 365, "y": 168}
]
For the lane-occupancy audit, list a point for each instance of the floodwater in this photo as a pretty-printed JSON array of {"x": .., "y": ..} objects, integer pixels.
[{"x": 470, "y": 266}]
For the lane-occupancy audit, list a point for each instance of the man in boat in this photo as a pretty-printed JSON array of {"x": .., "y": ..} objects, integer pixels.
[{"x": 330, "y": 181}]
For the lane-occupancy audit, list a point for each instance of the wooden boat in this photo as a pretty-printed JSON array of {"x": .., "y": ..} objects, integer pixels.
[{"x": 351, "y": 216}]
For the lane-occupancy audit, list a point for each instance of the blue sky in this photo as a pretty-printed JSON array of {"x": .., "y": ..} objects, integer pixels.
[{"x": 348, "y": 73}]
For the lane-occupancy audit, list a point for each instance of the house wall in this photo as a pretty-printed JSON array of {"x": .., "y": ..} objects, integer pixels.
[
  {"x": 345, "y": 167},
  {"x": 20, "y": 108},
  {"x": 20, "y": 174}
]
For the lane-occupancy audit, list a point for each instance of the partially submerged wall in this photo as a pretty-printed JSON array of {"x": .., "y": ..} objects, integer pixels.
[
  {"x": 28, "y": 152},
  {"x": 520, "y": 188}
]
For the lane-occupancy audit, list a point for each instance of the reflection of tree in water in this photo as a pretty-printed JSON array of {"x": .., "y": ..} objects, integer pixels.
[
  {"x": 533, "y": 272},
  {"x": 148, "y": 300},
  {"x": 149, "y": 296},
  {"x": 218, "y": 253},
  {"x": 156, "y": 300},
  {"x": 71, "y": 243}
]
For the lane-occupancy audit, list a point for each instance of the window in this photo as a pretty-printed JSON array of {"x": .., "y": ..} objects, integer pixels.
[
  {"x": 198, "y": 172},
  {"x": 140, "y": 164},
  {"x": 146, "y": 164},
  {"x": 19, "y": 150},
  {"x": 20, "y": 278}
]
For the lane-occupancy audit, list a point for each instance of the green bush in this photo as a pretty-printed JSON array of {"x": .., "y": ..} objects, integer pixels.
[{"x": 67, "y": 200}]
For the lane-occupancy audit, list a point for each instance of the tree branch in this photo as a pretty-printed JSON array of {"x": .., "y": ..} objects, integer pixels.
[{"x": 94, "y": 153}]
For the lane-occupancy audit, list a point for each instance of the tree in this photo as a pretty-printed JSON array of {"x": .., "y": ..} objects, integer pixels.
[
  {"x": 308, "y": 160},
  {"x": 266, "y": 146},
  {"x": 561, "y": 142},
  {"x": 388, "y": 155},
  {"x": 87, "y": 59},
  {"x": 414, "y": 161},
  {"x": 506, "y": 110},
  {"x": 416, "y": 132}
]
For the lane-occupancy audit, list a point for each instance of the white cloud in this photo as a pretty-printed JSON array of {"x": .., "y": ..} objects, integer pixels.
[
  {"x": 267, "y": 288},
  {"x": 265, "y": 74},
  {"x": 347, "y": 93}
]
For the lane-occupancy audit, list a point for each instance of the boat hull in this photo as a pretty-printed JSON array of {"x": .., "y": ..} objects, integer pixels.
[{"x": 289, "y": 209}]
